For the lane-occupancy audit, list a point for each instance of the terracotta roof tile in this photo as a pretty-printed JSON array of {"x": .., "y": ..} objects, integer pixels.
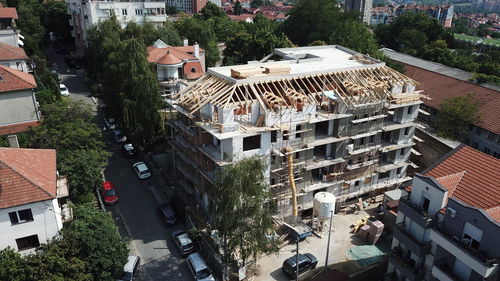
[
  {"x": 439, "y": 87},
  {"x": 494, "y": 213},
  {"x": 26, "y": 176},
  {"x": 169, "y": 58},
  {"x": 9, "y": 52},
  {"x": 186, "y": 49},
  {"x": 155, "y": 54},
  {"x": 190, "y": 66},
  {"x": 8, "y": 13},
  {"x": 479, "y": 186},
  {"x": 451, "y": 182},
  {"x": 17, "y": 128},
  {"x": 13, "y": 79}
]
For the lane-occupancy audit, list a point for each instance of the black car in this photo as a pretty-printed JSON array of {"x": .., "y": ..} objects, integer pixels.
[
  {"x": 129, "y": 150},
  {"x": 306, "y": 262},
  {"x": 167, "y": 214}
]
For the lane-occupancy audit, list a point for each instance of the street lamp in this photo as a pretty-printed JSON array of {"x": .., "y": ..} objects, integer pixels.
[{"x": 328, "y": 244}]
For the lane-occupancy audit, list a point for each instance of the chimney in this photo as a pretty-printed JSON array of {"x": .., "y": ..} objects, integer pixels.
[
  {"x": 186, "y": 42},
  {"x": 196, "y": 50}
]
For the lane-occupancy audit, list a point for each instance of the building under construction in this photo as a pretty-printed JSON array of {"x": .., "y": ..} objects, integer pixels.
[{"x": 324, "y": 118}]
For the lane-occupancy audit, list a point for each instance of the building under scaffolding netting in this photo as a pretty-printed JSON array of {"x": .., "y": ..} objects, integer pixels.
[{"x": 325, "y": 118}]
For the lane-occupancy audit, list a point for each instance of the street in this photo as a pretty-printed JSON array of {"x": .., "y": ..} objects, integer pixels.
[{"x": 136, "y": 213}]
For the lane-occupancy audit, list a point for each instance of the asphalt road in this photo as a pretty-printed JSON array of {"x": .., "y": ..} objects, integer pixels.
[{"x": 136, "y": 213}]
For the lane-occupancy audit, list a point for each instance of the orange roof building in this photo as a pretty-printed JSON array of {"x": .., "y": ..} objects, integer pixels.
[
  {"x": 175, "y": 66},
  {"x": 17, "y": 101},
  {"x": 28, "y": 197}
]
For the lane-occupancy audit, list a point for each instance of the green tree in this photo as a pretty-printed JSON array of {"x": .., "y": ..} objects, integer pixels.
[
  {"x": 12, "y": 266},
  {"x": 242, "y": 214},
  {"x": 238, "y": 10},
  {"x": 139, "y": 100},
  {"x": 29, "y": 22},
  {"x": 438, "y": 51},
  {"x": 211, "y": 10},
  {"x": 168, "y": 34},
  {"x": 94, "y": 238},
  {"x": 197, "y": 30},
  {"x": 455, "y": 114},
  {"x": 171, "y": 10},
  {"x": 351, "y": 33},
  {"x": 256, "y": 3},
  {"x": 462, "y": 25},
  {"x": 55, "y": 19}
]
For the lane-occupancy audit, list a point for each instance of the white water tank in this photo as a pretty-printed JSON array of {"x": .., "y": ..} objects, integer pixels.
[{"x": 323, "y": 204}]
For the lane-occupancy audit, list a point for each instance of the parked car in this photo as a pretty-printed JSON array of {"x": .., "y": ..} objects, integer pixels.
[
  {"x": 129, "y": 150},
  {"x": 130, "y": 268},
  {"x": 110, "y": 123},
  {"x": 183, "y": 242},
  {"x": 306, "y": 262},
  {"x": 167, "y": 214},
  {"x": 142, "y": 170},
  {"x": 119, "y": 136},
  {"x": 64, "y": 90},
  {"x": 108, "y": 193},
  {"x": 198, "y": 268}
]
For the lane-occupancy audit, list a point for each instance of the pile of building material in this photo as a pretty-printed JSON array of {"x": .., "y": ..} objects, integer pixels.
[
  {"x": 277, "y": 69},
  {"x": 246, "y": 72}
]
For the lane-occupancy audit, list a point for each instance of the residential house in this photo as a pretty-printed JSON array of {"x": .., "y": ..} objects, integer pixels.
[
  {"x": 17, "y": 101},
  {"x": 441, "y": 82},
  {"x": 85, "y": 14},
  {"x": 448, "y": 221},
  {"x": 30, "y": 213},
  {"x": 175, "y": 67},
  {"x": 340, "y": 120},
  {"x": 13, "y": 57},
  {"x": 8, "y": 31}
]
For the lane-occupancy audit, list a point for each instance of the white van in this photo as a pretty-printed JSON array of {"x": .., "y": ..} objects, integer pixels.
[
  {"x": 130, "y": 268},
  {"x": 198, "y": 268}
]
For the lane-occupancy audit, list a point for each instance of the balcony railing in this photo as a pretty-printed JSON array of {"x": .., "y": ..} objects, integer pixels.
[
  {"x": 405, "y": 266},
  {"x": 425, "y": 219},
  {"x": 405, "y": 237},
  {"x": 443, "y": 271}
]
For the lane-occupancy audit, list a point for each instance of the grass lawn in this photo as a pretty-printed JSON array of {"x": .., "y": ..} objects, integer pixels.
[{"x": 469, "y": 38}]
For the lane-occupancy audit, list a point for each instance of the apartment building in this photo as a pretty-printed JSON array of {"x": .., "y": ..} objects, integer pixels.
[
  {"x": 85, "y": 14},
  {"x": 31, "y": 193},
  {"x": 323, "y": 118},
  {"x": 441, "y": 82},
  {"x": 361, "y": 6},
  {"x": 448, "y": 221},
  {"x": 386, "y": 14}
]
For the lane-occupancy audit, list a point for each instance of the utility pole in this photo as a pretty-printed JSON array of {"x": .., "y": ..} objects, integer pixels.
[
  {"x": 297, "y": 261},
  {"x": 328, "y": 244}
]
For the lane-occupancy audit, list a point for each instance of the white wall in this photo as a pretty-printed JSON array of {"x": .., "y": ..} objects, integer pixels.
[
  {"x": 436, "y": 196},
  {"x": 46, "y": 223},
  {"x": 17, "y": 107}
]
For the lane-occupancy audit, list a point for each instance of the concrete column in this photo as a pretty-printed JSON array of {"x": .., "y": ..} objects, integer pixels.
[
  {"x": 13, "y": 142},
  {"x": 328, "y": 150},
  {"x": 330, "y": 127}
]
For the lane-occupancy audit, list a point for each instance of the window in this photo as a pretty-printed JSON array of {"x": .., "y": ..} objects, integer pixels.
[
  {"x": 402, "y": 151},
  {"x": 372, "y": 139},
  {"x": 491, "y": 136},
  {"x": 361, "y": 141},
  {"x": 273, "y": 136},
  {"x": 28, "y": 242},
  {"x": 410, "y": 109},
  {"x": 252, "y": 142},
  {"x": 285, "y": 135},
  {"x": 407, "y": 131},
  {"x": 138, "y": 12},
  {"x": 21, "y": 216},
  {"x": 478, "y": 131},
  {"x": 124, "y": 12},
  {"x": 19, "y": 66},
  {"x": 298, "y": 128},
  {"x": 356, "y": 183},
  {"x": 471, "y": 236},
  {"x": 398, "y": 171}
]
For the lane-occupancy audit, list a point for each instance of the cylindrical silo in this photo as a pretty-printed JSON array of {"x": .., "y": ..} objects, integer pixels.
[{"x": 323, "y": 204}]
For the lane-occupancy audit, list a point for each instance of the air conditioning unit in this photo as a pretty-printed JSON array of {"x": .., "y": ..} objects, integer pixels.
[
  {"x": 466, "y": 241},
  {"x": 451, "y": 212}
]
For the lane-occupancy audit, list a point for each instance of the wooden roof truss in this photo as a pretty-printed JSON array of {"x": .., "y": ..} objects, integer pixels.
[{"x": 351, "y": 87}]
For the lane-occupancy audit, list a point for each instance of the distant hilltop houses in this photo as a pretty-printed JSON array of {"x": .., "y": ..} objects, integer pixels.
[{"x": 386, "y": 14}]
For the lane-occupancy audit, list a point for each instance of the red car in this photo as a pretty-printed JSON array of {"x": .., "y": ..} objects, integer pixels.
[{"x": 108, "y": 193}]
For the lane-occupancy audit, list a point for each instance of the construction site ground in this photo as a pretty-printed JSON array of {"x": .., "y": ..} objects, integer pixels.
[{"x": 269, "y": 267}]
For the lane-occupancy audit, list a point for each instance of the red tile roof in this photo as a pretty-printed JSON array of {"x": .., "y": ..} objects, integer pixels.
[
  {"x": 189, "y": 67},
  {"x": 9, "y": 52},
  {"x": 13, "y": 79},
  {"x": 169, "y": 58},
  {"x": 475, "y": 177},
  {"x": 8, "y": 13},
  {"x": 26, "y": 176},
  {"x": 439, "y": 87},
  {"x": 17, "y": 128},
  {"x": 182, "y": 53}
]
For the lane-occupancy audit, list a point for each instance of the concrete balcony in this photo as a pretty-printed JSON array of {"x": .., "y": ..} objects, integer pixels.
[
  {"x": 405, "y": 267},
  {"x": 476, "y": 260},
  {"x": 156, "y": 18},
  {"x": 443, "y": 272},
  {"x": 405, "y": 238},
  {"x": 415, "y": 212}
]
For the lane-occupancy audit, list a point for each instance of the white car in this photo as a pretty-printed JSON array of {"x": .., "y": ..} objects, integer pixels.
[
  {"x": 64, "y": 90},
  {"x": 142, "y": 170}
]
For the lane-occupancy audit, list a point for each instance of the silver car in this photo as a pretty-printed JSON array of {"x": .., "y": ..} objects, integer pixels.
[{"x": 183, "y": 242}]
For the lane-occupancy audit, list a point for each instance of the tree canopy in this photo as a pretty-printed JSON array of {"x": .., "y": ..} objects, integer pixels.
[
  {"x": 455, "y": 115},
  {"x": 242, "y": 212}
]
